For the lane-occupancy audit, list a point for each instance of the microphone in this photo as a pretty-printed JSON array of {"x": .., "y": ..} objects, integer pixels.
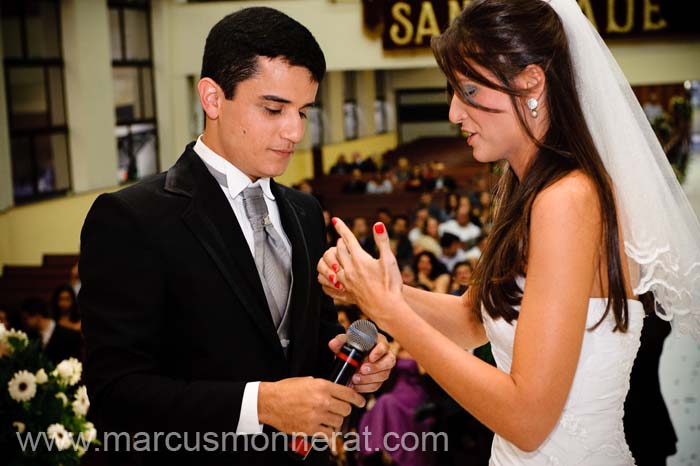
[{"x": 361, "y": 338}]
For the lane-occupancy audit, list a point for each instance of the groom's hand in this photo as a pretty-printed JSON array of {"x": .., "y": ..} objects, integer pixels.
[
  {"x": 306, "y": 405},
  {"x": 375, "y": 368}
]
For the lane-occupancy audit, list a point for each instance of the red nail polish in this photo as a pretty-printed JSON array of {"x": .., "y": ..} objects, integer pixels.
[
  {"x": 334, "y": 220},
  {"x": 379, "y": 228},
  {"x": 335, "y": 268},
  {"x": 331, "y": 277},
  {"x": 337, "y": 285}
]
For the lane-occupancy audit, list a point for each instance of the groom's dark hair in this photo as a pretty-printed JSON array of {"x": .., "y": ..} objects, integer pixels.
[{"x": 235, "y": 43}]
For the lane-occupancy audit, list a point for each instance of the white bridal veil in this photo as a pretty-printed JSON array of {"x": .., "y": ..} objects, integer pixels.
[{"x": 662, "y": 233}]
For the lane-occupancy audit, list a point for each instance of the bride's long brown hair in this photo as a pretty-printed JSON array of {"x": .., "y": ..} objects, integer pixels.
[{"x": 504, "y": 37}]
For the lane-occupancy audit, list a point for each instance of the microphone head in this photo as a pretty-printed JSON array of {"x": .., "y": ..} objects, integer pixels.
[{"x": 362, "y": 335}]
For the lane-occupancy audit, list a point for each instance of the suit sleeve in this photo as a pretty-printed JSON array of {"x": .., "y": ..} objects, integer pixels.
[
  {"x": 123, "y": 303},
  {"x": 329, "y": 325}
]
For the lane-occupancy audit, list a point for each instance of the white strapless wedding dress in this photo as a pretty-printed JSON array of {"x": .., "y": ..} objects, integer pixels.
[{"x": 590, "y": 430}]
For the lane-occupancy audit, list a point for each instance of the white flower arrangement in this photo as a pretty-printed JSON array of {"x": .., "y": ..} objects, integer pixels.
[
  {"x": 37, "y": 397},
  {"x": 22, "y": 387},
  {"x": 81, "y": 403},
  {"x": 41, "y": 377},
  {"x": 20, "y": 427},
  {"x": 11, "y": 340},
  {"x": 68, "y": 371},
  {"x": 61, "y": 437},
  {"x": 62, "y": 396}
]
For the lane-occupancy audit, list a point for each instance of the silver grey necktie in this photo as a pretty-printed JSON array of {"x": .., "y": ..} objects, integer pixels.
[{"x": 271, "y": 256}]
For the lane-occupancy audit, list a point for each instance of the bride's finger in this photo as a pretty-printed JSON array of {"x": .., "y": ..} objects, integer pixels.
[
  {"x": 334, "y": 292},
  {"x": 324, "y": 271},
  {"x": 330, "y": 257},
  {"x": 327, "y": 275},
  {"x": 334, "y": 289},
  {"x": 353, "y": 246},
  {"x": 343, "y": 254}
]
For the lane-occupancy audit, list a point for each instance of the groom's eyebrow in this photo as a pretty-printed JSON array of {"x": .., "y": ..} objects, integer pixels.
[{"x": 281, "y": 100}]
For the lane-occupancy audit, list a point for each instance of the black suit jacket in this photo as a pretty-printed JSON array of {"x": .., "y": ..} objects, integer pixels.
[{"x": 174, "y": 314}]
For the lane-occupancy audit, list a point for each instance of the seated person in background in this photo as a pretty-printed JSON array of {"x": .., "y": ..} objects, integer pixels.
[
  {"x": 403, "y": 170},
  {"x": 305, "y": 186},
  {"x": 461, "y": 226},
  {"x": 379, "y": 184},
  {"x": 452, "y": 251},
  {"x": 341, "y": 166},
  {"x": 368, "y": 165},
  {"x": 408, "y": 275},
  {"x": 451, "y": 205},
  {"x": 429, "y": 239},
  {"x": 426, "y": 200},
  {"x": 57, "y": 342},
  {"x": 64, "y": 307},
  {"x": 431, "y": 273},
  {"x": 474, "y": 253},
  {"x": 461, "y": 276},
  {"x": 355, "y": 185},
  {"x": 440, "y": 181},
  {"x": 364, "y": 237},
  {"x": 415, "y": 182},
  {"x": 384, "y": 215},
  {"x": 400, "y": 244},
  {"x": 419, "y": 219},
  {"x": 393, "y": 415},
  {"x": 481, "y": 211}
]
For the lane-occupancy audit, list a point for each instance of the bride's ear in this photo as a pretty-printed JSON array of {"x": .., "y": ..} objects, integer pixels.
[{"x": 532, "y": 80}]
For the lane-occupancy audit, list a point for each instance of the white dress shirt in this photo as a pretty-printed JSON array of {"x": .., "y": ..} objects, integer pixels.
[
  {"x": 237, "y": 181},
  {"x": 47, "y": 333}
]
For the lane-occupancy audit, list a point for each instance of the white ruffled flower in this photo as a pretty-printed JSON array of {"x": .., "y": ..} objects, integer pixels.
[
  {"x": 62, "y": 396},
  {"x": 68, "y": 371},
  {"x": 81, "y": 403},
  {"x": 22, "y": 386},
  {"x": 89, "y": 433},
  {"x": 17, "y": 334},
  {"x": 19, "y": 426},
  {"x": 60, "y": 436},
  {"x": 3, "y": 330},
  {"x": 5, "y": 336},
  {"x": 41, "y": 377}
]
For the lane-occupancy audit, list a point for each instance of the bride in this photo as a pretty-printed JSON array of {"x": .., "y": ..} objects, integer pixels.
[{"x": 588, "y": 217}]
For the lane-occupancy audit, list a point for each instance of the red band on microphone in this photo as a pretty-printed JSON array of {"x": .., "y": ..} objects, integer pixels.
[
  {"x": 301, "y": 446},
  {"x": 345, "y": 358}
]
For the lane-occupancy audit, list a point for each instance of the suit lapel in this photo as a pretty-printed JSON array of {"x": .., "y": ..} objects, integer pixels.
[
  {"x": 293, "y": 217},
  {"x": 211, "y": 220}
]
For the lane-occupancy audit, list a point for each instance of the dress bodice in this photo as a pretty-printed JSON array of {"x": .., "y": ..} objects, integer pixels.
[{"x": 590, "y": 430}]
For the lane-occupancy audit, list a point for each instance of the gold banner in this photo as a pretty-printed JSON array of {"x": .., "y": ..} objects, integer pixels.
[{"x": 411, "y": 23}]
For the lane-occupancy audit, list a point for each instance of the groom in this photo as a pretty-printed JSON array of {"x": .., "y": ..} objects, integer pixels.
[{"x": 202, "y": 312}]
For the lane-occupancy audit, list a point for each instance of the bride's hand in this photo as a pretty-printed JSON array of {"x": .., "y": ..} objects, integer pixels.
[
  {"x": 373, "y": 284},
  {"x": 328, "y": 267}
]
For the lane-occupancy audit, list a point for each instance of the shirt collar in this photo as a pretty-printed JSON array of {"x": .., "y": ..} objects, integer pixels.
[{"x": 236, "y": 180}]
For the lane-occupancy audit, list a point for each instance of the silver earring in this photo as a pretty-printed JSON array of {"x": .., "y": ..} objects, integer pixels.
[{"x": 532, "y": 105}]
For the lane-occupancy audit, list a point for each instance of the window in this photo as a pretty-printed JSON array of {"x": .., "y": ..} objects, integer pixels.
[
  {"x": 350, "y": 116},
  {"x": 33, "y": 66},
  {"x": 134, "y": 96},
  {"x": 380, "y": 104}
]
